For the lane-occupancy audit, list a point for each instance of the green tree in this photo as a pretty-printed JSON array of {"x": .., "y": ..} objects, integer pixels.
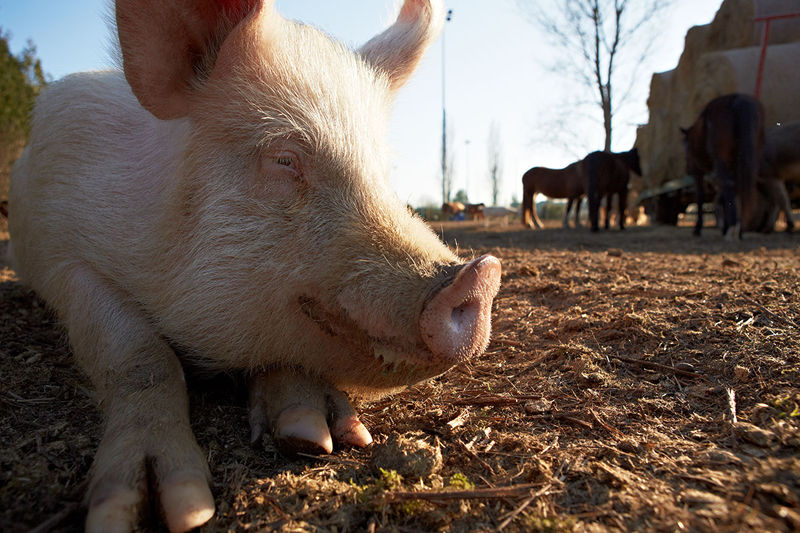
[
  {"x": 21, "y": 79},
  {"x": 461, "y": 196}
]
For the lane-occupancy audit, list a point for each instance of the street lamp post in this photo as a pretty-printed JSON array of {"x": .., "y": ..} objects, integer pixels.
[
  {"x": 466, "y": 168},
  {"x": 444, "y": 117}
]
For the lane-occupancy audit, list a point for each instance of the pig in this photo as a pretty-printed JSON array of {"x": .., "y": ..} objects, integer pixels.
[{"x": 223, "y": 200}]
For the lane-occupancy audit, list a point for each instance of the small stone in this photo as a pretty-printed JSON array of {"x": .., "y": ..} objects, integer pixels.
[
  {"x": 541, "y": 405},
  {"x": 741, "y": 373}
]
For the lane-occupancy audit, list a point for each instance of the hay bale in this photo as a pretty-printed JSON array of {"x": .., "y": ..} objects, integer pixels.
[
  {"x": 695, "y": 44},
  {"x": 732, "y": 71},
  {"x": 643, "y": 143},
  {"x": 733, "y": 25},
  {"x": 660, "y": 88},
  {"x": 709, "y": 68},
  {"x": 657, "y": 143}
]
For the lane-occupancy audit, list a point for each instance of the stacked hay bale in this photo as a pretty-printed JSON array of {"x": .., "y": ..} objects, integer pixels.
[{"x": 720, "y": 58}]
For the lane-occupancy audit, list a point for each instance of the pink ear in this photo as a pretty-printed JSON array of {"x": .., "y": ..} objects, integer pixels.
[
  {"x": 166, "y": 44},
  {"x": 399, "y": 48}
]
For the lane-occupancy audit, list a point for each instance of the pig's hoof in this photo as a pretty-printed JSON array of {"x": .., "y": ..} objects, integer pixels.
[
  {"x": 300, "y": 410},
  {"x": 114, "y": 510},
  {"x": 301, "y": 429},
  {"x": 186, "y": 501},
  {"x": 352, "y": 431}
]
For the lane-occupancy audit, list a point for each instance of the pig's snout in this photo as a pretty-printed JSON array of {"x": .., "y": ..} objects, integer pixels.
[{"x": 456, "y": 322}]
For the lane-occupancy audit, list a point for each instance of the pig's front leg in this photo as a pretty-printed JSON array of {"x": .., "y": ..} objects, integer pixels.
[
  {"x": 304, "y": 413},
  {"x": 141, "y": 389}
]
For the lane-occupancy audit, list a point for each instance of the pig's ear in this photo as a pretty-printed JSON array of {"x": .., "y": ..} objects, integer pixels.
[
  {"x": 399, "y": 48},
  {"x": 166, "y": 44}
]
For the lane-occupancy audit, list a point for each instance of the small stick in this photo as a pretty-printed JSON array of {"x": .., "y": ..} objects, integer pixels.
[
  {"x": 732, "y": 404},
  {"x": 770, "y": 313},
  {"x": 330, "y": 459},
  {"x": 493, "y": 399},
  {"x": 658, "y": 366},
  {"x": 515, "y": 513},
  {"x": 610, "y": 429},
  {"x": 569, "y": 417},
  {"x": 509, "y": 342},
  {"x": 489, "y": 493},
  {"x": 474, "y": 455}
]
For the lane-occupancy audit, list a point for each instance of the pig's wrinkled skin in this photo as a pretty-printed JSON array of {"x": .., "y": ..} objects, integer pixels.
[{"x": 226, "y": 197}]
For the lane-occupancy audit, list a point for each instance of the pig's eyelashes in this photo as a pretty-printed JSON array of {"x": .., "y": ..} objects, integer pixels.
[{"x": 289, "y": 160}]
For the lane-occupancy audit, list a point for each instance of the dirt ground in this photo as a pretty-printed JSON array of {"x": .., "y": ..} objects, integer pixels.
[{"x": 639, "y": 380}]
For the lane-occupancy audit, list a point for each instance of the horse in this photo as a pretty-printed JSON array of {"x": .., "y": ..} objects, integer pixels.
[
  {"x": 607, "y": 174},
  {"x": 566, "y": 183},
  {"x": 780, "y": 164},
  {"x": 727, "y": 138},
  {"x": 450, "y": 210},
  {"x": 475, "y": 211}
]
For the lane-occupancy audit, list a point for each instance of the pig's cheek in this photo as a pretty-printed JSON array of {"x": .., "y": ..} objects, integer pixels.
[{"x": 280, "y": 190}]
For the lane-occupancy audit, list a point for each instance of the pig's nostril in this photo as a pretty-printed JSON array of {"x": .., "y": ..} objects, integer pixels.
[
  {"x": 464, "y": 316},
  {"x": 455, "y": 323}
]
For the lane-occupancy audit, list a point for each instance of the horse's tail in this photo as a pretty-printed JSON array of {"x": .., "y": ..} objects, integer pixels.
[
  {"x": 749, "y": 131},
  {"x": 591, "y": 172}
]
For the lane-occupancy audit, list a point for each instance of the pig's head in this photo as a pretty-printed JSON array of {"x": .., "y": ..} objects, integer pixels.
[{"x": 285, "y": 244}]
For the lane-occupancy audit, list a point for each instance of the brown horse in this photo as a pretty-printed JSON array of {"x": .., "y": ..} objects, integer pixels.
[
  {"x": 727, "y": 138},
  {"x": 779, "y": 165},
  {"x": 566, "y": 183},
  {"x": 450, "y": 210},
  {"x": 607, "y": 174}
]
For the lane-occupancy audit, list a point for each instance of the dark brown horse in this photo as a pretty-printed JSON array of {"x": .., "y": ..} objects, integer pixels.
[
  {"x": 565, "y": 182},
  {"x": 727, "y": 139},
  {"x": 780, "y": 165},
  {"x": 607, "y": 174}
]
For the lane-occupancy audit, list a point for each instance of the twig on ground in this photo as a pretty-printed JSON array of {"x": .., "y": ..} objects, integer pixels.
[
  {"x": 610, "y": 429},
  {"x": 566, "y": 416},
  {"x": 496, "y": 399},
  {"x": 731, "y": 394},
  {"x": 658, "y": 366},
  {"x": 474, "y": 455},
  {"x": 791, "y": 323},
  {"x": 488, "y": 493},
  {"x": 330, "y": 459},
  {"x": 513, "y": 514}
]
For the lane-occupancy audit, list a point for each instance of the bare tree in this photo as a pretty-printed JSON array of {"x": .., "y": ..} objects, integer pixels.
[
  {"x": 596, "y": 36},
  {"x": 495, "y": 160}
]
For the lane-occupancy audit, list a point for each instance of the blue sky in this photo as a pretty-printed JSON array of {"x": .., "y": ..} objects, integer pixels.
[{"x": 498, "y": 68}]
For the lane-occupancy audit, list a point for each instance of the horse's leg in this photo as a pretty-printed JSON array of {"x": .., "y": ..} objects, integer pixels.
[
  {"x": 778, "y": 194},
  {"x": 536, "y": 221},
  {"x": 594, "y": 210},
  {"x": 609, "y": 205},
  {"x": 578, "y": 201},
  {"x": 621, "y": 207},
  {"x": 727, "y": 185},
  {"x": 565, "y": 222},
  {"x": 527, "y": 201},
  {"x": 699, "y": 196}
]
